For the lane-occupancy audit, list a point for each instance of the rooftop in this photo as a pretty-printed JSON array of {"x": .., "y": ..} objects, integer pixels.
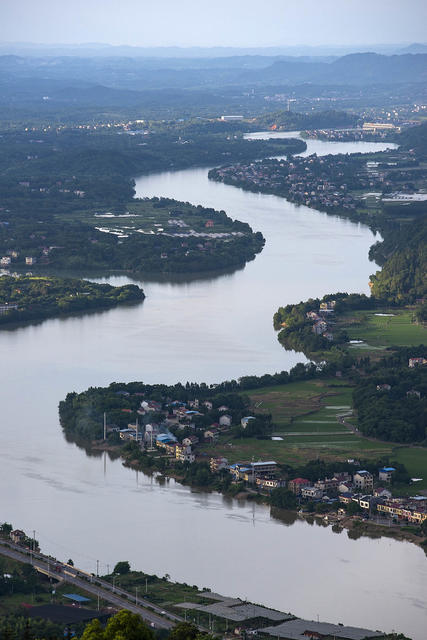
[{"x": 299, "y": 629}]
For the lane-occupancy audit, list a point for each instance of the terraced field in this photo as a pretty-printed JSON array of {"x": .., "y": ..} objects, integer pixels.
[{"x": 306, "y": 418}]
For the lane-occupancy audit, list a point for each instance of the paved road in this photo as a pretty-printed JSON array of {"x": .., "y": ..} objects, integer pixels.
[{"x": 122, "y": 599}]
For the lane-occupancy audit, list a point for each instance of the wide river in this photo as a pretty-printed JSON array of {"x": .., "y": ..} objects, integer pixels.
[{"x": 215, "y": 328}]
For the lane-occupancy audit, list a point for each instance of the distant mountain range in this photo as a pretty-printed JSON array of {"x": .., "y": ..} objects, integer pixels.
[
  {"x": 20, "y": 75},
  {"x": 107, "y": 50}
]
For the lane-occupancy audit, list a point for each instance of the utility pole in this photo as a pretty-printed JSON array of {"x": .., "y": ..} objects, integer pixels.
[
  {"x": 97, "y": 568},
  {"x": 33, "y": 547},
  {"x": 146, "y": 585}
]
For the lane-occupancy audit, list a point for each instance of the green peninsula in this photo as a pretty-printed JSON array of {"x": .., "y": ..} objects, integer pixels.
[{"x": 31, "y": 298}]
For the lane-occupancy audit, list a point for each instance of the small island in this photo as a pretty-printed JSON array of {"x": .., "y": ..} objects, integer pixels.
[{"x": 34, "y": 298}]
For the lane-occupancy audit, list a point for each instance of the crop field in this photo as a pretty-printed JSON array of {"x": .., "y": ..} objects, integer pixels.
[
  {"x": 380, "y": 331},
  {"x": 305, "y": 415}
]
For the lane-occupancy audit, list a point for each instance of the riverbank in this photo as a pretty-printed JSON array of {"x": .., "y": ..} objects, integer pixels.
[{"x": 356, "y": 525}]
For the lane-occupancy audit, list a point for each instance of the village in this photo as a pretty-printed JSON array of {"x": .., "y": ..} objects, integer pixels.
[
  {"x": 175, "y": 438},
  {"x": 327, "y": 183}
]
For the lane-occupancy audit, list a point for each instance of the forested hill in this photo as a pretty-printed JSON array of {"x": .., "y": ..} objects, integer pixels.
[
  {"x": 415, "y": 138},
  {"x": 403, "y": 276},
  {"x": 391, "y": 400},
  {"x": 403, "y": 253}
]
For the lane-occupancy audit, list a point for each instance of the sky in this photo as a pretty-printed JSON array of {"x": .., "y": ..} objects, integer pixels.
[{"x": 237, "y": 23}]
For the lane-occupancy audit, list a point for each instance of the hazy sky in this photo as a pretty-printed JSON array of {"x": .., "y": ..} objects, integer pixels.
[{"x": 236, "y": 23}]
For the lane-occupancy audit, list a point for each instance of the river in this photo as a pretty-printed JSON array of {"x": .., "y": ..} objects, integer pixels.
[{"x": 213, "y": 328}]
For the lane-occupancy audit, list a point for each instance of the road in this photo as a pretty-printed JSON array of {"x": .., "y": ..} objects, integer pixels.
[{"x": 120, "y": 598}]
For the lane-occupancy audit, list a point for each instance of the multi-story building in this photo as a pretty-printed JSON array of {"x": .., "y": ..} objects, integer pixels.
[
  {"x": 297, "y": 484},
  {"x": 363, "y": 480},
  {"x": 386, "y": 473}
]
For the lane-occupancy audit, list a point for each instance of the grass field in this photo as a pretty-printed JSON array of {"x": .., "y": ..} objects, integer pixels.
[
  {"x": 305, "y": 417},
  {"x": 383, "y": 331},
  {"x": 415, "y": 460},
  {"x": 144, "y": 216},
  {"x": 307, "y": 410}
]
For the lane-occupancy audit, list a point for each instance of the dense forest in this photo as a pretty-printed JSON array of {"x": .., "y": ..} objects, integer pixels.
[
  {"x": 403, "y": 255},
  {"x": 28, "y": 298},
  {"x": 415, "y": 139},
  {"x": 391, "y": 401}
]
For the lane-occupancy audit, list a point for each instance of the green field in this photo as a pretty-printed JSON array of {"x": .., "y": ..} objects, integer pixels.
[
  {"x": 307, "y": 410},
  {"x": 42, "y": 591},
  {"x": 380, "y": 331},
  {"x": 295, "y": 450},
  {"x": 294, "y": 403},
  {"x": 415, "y": 460},
  {"x": 143, "y": 215}
]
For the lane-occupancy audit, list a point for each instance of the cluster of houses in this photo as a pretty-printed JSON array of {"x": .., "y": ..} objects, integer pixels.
[
  {"x": 347, "y": 135},
  {"x": 321, "y": 319},
  {"x": 177, "y": 416},
  {"x": 304, "y": 180},
  {"x": 162, "y": 435},
  {"x": 56, "y": 188},
  {"x": 12, "y": 255},
  {"x": 360, "y": 488},
  {"x": 416, "y": 362},
  {"x": 321, "y": 182}
]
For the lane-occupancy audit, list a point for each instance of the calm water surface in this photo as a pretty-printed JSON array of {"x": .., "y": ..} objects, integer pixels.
[{"x": 91, "y": 508}]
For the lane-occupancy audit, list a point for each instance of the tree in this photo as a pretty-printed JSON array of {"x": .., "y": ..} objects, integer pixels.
[
  {"x": 123, "y": 626},
  {"x": 70, "y": 562},
  {"x": 127, "y": 625},
  {"x": 93, "y": 631},
  {"x": 5, "y": 528},
  {"x": 122, "y": 567},
  {"x": 353, "y": 508},
  {"x": 283, "y": 498},
  {"x": 184, "y": 631}
]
